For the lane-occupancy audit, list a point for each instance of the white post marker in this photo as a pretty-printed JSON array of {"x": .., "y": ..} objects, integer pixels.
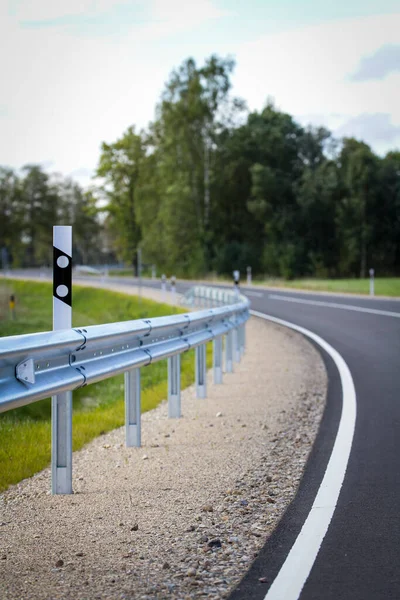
[
  {"x": 371, "y": 282},
  {"x": 61, "y": 404},
  {"x": 153, "y": 271},
  {"x": 248, "y": 275},
  {"x": 163, "y": 283}
]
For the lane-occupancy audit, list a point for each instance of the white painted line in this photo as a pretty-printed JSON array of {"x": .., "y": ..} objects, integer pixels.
[
  {"x": 374, "y": 311},
  {"x": 294, "y": 572},
  {"x": 256, "y": 294}
]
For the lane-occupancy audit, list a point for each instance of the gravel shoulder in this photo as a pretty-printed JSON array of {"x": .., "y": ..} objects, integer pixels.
[{"x": 184, "y": 515}]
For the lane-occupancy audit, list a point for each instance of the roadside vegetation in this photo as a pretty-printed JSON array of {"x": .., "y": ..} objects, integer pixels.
[
  {"x": 25, "y": 433},
  {"x": 210, "y": 186},
  {"x": 389, "y": 286}
]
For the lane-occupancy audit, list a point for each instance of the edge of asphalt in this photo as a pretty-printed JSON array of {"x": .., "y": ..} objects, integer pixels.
[{"x": 274, "y": 554}]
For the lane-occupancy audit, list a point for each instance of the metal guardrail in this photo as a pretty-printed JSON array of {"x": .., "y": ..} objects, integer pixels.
[{"x": 36, "y": 366}]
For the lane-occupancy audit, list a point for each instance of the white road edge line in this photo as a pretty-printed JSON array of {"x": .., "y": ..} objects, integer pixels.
[
  {"x": 374, "y": 311},
  {"x": 294, "y": 572},
  {"x": 255, "y": 294}
]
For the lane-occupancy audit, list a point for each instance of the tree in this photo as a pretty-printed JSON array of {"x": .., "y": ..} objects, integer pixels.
[
  {"x": 120, "y": 165},
  {"x": 40, "y": 207},
  {"x": 11, "y": 226},
  {"x": 358, "y": 168}
]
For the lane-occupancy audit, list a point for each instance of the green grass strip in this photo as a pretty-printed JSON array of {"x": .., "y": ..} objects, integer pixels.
[
  {"x": 389, "y": 286},
  {"x": 25, "y": 433}
]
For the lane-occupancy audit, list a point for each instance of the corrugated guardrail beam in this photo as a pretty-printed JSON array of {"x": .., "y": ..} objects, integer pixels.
[{"x": 39, "y": 365}]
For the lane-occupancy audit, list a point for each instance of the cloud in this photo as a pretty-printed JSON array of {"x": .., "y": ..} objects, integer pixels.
[
  {"x": 306, "y": 70},
  {"x": 145, "y": 20},
  {"x": 373, "y": 128},
  {"x": 49, "y": 10},
  {"x": 81, "y": 172},
  {"x": 384, "y": 61}
]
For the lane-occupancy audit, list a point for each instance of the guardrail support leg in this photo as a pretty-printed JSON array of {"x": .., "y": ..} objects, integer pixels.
[
  {"x": 242, "y": 339},
  {"x": 217, "y": 343},
  {"x": 237, "y": 344},
  {"x": 61, "y": 443},
  {"x": 229, "y": 351},
  {"x": 201, "y": 371},
  {"x": 174, "y": 386},
  {"x": 132, "y": 408}
]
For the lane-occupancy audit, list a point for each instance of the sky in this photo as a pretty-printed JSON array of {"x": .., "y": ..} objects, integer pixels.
[{"x": 77, "y": 73}]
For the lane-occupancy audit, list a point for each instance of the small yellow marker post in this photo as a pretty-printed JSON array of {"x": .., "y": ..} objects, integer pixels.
[{"x": 11, "y": 305}]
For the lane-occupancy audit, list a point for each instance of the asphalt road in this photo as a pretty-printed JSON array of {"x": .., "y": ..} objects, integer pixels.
[
  {"x": 360, "y": 555},
  {"x": 359, "y": 558}
]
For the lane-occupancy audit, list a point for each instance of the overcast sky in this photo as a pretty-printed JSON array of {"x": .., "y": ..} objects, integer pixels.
[{"x": 80, "y": 72}]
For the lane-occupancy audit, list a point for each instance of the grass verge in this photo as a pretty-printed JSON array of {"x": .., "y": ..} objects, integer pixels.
[
  {"x": 25, "y": 433},
  {"x": 389, "y": 286}
]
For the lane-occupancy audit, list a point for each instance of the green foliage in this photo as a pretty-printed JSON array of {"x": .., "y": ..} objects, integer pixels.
[
  {"x": 209, "y": 186},
  {"x": 98, "y": 408}
]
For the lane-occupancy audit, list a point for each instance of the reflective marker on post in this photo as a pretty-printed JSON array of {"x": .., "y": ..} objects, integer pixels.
[
  {"x": 61, "y": 405},
  {"x": 12, "y": 306}
]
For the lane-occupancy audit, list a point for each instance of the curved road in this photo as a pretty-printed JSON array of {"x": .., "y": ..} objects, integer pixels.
[{"x": 359, "y": 558}]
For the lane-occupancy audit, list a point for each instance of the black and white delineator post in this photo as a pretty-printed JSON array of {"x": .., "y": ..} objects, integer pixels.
[{"x": 61, "y": 404}]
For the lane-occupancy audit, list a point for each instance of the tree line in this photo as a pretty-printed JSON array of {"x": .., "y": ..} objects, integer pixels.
[{"x": 209, "y": 186}]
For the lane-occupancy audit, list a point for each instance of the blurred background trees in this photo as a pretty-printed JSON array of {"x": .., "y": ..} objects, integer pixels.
[{"x": 211, "y": 187}]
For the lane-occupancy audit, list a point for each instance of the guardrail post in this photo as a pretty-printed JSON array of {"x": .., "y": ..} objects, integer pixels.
[
  {"x": 132, "y": 408},
  {"x": 217, "y": 343},
  {"x": 61, "y": 404},
  {"x": 174, "y": 386},
  {"x": 229, "y": 351},
  {"x": 201, "y": 371},
  {"x": 237, "y": 344}
]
